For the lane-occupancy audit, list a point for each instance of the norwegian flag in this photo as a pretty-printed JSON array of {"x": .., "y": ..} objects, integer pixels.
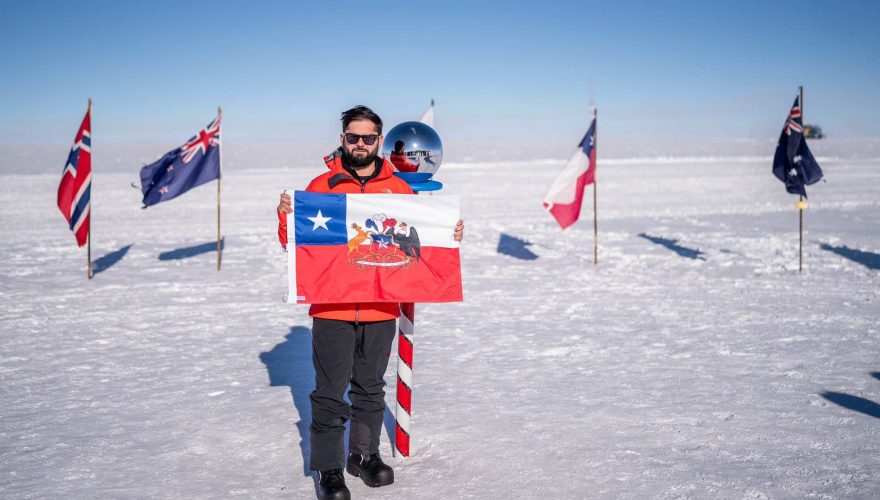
[
  {"x": 190, "y": 165},
  {"x": 566, "y": 194},
  {"x": 76, "y": 182},
  {"x": 793, "y": 162}
]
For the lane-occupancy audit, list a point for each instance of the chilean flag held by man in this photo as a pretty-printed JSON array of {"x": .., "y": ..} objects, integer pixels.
[
  {"x": 76, "y": 182},
  {"x": 566, "y": 194},
  {"x": 373, "y": 248}
]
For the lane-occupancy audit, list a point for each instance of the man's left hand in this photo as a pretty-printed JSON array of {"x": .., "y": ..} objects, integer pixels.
[{"x": 459, "y": 231}]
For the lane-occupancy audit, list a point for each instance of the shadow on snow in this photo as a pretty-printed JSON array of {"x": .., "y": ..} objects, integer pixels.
[
  {"x": 107, "y": 261},
  {"x": 690, "y": 253},
  {"x": 289, "y": 364},
  {"x": 187, "y": 252},
  {"x": 867, "y": 259},
  {"x": 855, "y": 403},
  {"x": 515, "y": 247}
]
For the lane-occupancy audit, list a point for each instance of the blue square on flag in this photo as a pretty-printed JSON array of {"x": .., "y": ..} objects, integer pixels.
[{"x": 319, "y": 218}]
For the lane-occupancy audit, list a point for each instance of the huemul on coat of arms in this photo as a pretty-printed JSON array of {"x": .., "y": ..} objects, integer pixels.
[{"x": 383, "y": 242}]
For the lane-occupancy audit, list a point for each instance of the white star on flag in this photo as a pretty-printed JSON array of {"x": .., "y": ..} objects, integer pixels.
[
  {"x": 319, "y": 221},
  {"x": 792, "y": 173}
]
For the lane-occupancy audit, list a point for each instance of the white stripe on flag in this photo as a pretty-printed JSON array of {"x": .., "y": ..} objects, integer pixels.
[
  {"x": 428, "y": 116},
  {"x": 433, "y": 217},
  {"x": 291, "y": 256},
  {"x": 562, "y": 191}
]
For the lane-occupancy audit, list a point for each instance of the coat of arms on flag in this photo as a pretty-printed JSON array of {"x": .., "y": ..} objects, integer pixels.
[
  {"x": 373, "y": 248},
  {"x": 74, "y": 192}
]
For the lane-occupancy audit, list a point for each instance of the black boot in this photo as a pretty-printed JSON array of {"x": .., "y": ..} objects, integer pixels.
[
  {"x": 331, "y": 485},
  {"x": 371, "y": 469}
]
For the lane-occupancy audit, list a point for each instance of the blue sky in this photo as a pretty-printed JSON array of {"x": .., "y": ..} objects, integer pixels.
[{"x": 500, "y": 71}]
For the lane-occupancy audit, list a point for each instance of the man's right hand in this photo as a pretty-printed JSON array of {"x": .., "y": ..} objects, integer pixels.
[{"x": 284, "y": 204}]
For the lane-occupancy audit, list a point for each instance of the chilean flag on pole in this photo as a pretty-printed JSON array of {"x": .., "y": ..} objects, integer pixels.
[
  {"x": 373, "y": 248},
  {"x": 76, "y": 182},
  {"x": 566, "y": 194}
]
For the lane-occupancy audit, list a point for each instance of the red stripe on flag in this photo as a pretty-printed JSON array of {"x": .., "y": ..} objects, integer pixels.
[
  {"x": 567, "y": 214},
  {"x": 329, "y": 274}
]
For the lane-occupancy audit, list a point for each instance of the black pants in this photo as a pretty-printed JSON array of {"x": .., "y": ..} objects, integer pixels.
[{"x": 343, "y": 353}]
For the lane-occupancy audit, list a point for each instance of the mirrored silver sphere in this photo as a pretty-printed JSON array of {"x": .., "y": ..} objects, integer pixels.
[{"x": 413, "y": 147}]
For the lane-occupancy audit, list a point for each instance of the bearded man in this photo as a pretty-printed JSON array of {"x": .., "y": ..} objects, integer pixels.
[{"x": 351, "y": 343}]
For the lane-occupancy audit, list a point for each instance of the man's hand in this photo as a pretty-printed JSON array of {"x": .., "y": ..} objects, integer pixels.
[
  {"x": 459, "y": 231},
  {"x": 284, "y": 205}
]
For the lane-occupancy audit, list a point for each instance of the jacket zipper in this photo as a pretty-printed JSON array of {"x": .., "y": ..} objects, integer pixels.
[{"x": 357, "y": 307}]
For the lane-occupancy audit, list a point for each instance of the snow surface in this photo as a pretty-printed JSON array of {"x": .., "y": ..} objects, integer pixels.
[{"x": 693, "y": 362}]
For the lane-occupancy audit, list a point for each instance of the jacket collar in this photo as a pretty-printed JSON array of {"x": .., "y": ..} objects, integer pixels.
[{"x": 338, "y": 173}]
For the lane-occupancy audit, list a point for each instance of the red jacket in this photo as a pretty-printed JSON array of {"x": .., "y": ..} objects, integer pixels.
[
  {"x": 338, "y": 180},
  {"x": 402, "y": 163}
]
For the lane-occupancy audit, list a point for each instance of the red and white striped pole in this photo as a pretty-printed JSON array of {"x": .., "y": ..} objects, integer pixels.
[{"x": 404, "y": 377}]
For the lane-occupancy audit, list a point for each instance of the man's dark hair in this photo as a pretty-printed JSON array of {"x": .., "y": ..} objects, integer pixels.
[{"x": 360, "y": 113}]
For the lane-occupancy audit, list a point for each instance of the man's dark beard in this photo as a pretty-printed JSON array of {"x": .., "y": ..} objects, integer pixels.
[{"x": 358, "y": 161}]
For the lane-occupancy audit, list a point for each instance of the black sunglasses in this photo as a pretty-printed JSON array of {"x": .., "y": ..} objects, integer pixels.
[{"x": 369, "y": 140}]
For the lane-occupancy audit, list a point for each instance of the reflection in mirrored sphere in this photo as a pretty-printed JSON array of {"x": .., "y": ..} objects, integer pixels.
[{"x": 413, "y": 147}]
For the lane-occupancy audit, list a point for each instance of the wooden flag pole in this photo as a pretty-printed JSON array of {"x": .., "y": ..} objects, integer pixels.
[
  {"x": 801, "y": 203},
  {"x": 595, "y": 205},
  {"x": 220, "y": 159},
  {"x": 801, "y": 231},
  {"x": 89, "y": 236}
]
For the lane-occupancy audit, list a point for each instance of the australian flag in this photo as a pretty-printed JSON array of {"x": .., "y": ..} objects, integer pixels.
[
  {"x": 193, "y": 164},
  {"x": 794, "y": 163}
]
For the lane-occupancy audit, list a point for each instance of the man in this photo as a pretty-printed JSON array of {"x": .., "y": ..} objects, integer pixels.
[
  {"x": 351, "y": 343},
  {"x": 398, "y": 159}
]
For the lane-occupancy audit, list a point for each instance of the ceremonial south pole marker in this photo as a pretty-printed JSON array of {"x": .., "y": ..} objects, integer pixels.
[
  {"x": 406, "y": 328},
  {"x": 403, "y": 415},
  {"x": 416, "y": 151}
]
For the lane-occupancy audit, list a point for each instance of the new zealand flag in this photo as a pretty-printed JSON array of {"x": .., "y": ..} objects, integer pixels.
[
  {"x": 193, "y": 164},
  {"x": 794, "y": 163}
]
